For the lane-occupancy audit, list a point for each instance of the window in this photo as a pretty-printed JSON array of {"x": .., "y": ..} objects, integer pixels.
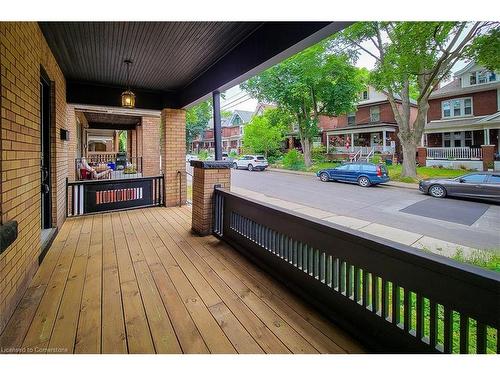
[
  {"x": 494, "y": 179},
  {"x": 374, "y": 114},
  {"x": 343, "y": 167},
  {"x": 351, "y": 118},
  {"x": 456, "y": 107},
  {"x": 468, "y": 139},
  {"x": 482, "y": 76},
  {"x": 446, "y": 140},
  {"x": 369, "y": 168},
  {"x": 364, "y": 95},
  {"x": 473, "y": 178}
]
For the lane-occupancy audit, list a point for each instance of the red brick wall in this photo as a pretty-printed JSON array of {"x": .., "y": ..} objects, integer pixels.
[
  {"x": 151, "y": 146},
  {"x": 22, "y": 50},
  {"x": 483, "y": 103}
]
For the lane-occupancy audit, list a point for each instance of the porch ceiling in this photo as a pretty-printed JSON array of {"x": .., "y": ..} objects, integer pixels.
[
  {"x": 174, "y": 63},
  {"x": 99, "y": 120}
]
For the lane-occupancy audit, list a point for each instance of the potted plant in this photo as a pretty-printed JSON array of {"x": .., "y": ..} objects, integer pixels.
[{"x": 490, "y": 166}]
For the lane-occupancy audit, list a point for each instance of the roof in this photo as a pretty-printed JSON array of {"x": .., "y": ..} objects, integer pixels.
[
  {"x": 245, "y": 116},
  {"x": 474, "y": 122},
  {"x": 454, "y": 88}
]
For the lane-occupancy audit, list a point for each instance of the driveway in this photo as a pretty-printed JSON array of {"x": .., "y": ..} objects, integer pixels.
[{"x": 468, "y": 223}]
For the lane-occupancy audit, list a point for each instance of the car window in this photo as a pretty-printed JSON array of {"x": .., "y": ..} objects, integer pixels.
[
  {"x": 369, "y": 168},
  {"x": 474, "y": 178},
  {"x": 354, "y": 168},
  {"x": 260, "y": 157},
  {"x": 494, "y": 179},
  {"x": 343, "y": 167}
]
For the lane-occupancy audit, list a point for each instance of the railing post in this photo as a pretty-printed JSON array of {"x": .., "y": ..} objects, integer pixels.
[{"x": 422, "y": 156}]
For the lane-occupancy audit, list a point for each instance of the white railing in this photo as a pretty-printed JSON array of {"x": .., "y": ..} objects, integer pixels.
[
  {"x": 454, "y": 153},
  {"x": 365, "y": 150}
]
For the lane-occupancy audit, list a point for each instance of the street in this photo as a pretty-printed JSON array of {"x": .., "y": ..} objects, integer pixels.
[{"x": 469, "y": 223}]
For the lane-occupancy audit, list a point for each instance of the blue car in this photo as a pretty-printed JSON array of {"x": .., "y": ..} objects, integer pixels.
[{"x": 364, "y": 174}]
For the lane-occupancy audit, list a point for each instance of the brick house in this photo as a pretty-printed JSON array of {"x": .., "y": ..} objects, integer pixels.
[
  {"x": 463, "y": 116},
  {"x": 232, "y": 132},
  {"x": 371, "y": 127}
]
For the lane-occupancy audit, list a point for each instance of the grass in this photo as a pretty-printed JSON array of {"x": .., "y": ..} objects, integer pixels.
[{"x": 423, "y": 173}]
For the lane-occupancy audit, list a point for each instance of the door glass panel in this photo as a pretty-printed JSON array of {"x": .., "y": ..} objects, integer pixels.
[{"x": 474, "y": 178}]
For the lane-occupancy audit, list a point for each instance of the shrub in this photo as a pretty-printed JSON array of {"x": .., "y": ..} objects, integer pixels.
[
  {"x": 293, "y": 160},
  {"x": 376, "y": 159},
  {"x": 318, "y": 154},
  {"x": 233, "y": 154},
  {"x": 203, "y": 155}
]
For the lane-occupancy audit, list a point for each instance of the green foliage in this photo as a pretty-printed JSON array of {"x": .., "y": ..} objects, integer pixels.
[
  {"x": 308, "y": 84},
  {"x": 263, "y": 134},
  {"x": 486, "y": 50},
  {"x": 293, "y": 160},
  {"x": 122, "y": 141},
  {"x": 197, "y": 119},
  {"x": 203, "y": 155},
  {"x": 318, "y": 154},
  {"x": 233, "y": 154},
  {"x": 483, "y": 259}
]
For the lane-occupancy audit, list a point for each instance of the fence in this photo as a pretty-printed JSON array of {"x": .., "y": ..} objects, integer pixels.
[
  {"x": 392, "y": 297},
  {"x": 86, "y": 197},
  {"x": 456, "y": 153}
]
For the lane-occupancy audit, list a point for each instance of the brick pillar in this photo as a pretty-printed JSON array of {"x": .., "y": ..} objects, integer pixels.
[
  {"x": 173, "y": 151},
  {"x": 422, "y": 156},
  {"x": 206, "y": 175},
  {"x": 488, "y": 155},
  {"x": 151, "y": 146}
]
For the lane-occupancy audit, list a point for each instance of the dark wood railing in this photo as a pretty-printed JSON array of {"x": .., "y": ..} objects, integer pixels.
[
  {"x": 392, "y": 297},
  {"x": 86, "y": 197}
]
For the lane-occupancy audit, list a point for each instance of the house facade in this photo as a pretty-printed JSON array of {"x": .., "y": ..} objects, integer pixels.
[
  {"x": 463, "y": 116},
  {"x": 371, "y": 128},
  {"x": 232, "y": 133}
]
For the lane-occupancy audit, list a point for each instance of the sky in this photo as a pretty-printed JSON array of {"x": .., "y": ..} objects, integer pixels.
[{"x": 238, "y": 99}]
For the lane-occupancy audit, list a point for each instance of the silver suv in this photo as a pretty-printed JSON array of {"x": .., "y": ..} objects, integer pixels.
[{"x": 251, "y": 162}]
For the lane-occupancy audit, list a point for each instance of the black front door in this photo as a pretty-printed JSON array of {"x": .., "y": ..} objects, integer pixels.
[{"x": 45, "y": 150}]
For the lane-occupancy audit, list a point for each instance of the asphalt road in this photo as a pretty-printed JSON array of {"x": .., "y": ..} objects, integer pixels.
[{"x": 383, "y": 205}]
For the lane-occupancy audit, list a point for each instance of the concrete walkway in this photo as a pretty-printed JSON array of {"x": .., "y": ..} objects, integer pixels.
[{"x": 417, "y": 240}]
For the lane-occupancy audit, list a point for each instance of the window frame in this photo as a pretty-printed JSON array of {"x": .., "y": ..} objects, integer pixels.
[
  {"x": 372, "y": 108},
  {"x": 489, "y": 74},
  {"x": 462, "y": 107},
  {"x": 351, "y": 115}
]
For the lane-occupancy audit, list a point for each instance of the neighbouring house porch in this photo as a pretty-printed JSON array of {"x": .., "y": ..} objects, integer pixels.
[{"x": 139, "y": 281}]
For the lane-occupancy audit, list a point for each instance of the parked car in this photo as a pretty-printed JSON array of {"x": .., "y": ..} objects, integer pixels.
[
  {"x": 364, "y": 174},
  {"x": 251, "y": 162},
  {"x": 481, "y": 185}
]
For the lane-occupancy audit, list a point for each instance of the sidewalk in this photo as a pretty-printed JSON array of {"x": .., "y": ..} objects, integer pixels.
[
  {"x": 416, "y": 240},
  {"x": 397, "y": 184}
]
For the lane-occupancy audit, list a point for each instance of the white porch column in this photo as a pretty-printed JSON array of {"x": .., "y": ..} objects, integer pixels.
[
  {"x": 352, "y": 141},
  {"x": 384, "y": 140},
  {"x": 422, "y": 142},
  {"x": 486, "y": 136},
  {"x": 327, "y": 143}
]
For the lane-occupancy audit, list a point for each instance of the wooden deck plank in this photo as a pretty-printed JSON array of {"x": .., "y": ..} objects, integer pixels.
[
  {"x": 113, "y": 326},
  {"x": 64, "y": 332},
  {"x": 162, "y": 332},
  {"x": 88, "y": 337},
  {"x": 138, "y": 281},
  {"x": 40, "y": 330},
  {"x": 139, "y": 339},
  {"x": 299, "y": 317},
  {"x": 17, "y": 327},
  {"x": 266, "y": 340}
]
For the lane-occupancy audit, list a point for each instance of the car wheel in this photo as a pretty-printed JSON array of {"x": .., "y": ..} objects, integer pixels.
[
  {"x": 324, "y": 177},
  {"x": 364, "y": 181},
  {"x": 250, "y": 167},
  {"x": 235, "y": 166},
  {"x": 437, "y": 191}
]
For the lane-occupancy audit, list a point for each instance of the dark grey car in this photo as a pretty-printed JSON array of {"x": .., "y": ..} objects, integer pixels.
[{"x": 480, "y": 185}]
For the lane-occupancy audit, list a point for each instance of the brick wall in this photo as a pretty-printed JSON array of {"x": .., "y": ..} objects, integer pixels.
[
  {"x": 173, "y": 151},
  {"x": 483, "y": 103},
  {"x": 23, "y": 50},
  {"x": 151, "y": 146}
]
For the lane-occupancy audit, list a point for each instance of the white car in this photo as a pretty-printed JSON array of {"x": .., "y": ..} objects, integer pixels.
[
  {"x": 251, "y": 162},
  {"x": 190, "y": 157}
]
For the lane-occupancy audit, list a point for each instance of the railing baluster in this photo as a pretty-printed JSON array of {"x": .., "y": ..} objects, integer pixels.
[
  {"x": 343, "y": 277},
  {"x": 420, "y": 316},
  {"x": 448, "y": 330},
  {"x": 366, "y": 288},
  {"x": 433, "y": 324},
  {"x": 396, "y": 302},
  {"x": 407, "y": 310},
  {"x": 385, "y": 299},
  {"x": 336, "y": 274},
  {"x": 464, "y": 334},
  {"x": 481, "y": 338},
  {"x": 375, "y": 294}
]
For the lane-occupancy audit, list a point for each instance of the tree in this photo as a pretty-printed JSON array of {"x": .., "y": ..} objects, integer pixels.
[
  {"x": 413, "y": 55},
  {"x": 197, "y": 119},
  {"x": 307, "y": 85},
  {"x": 263, "y": 134}
]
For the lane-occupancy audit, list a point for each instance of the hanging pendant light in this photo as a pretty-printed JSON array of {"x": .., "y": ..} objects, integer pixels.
[{"x": 128, "y": 97}]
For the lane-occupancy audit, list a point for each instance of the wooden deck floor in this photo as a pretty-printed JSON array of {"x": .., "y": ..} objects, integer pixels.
[{"x": 139, "y": 282}]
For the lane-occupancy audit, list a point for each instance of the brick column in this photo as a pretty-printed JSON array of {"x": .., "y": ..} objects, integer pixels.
[
  {"x": 422, "y": 156},
  {"x": 173, "y": 151},
  {"x": 206, "y": 175},
  {"x": 488, "y": 155},
  {"x": 151, "y": 146}
]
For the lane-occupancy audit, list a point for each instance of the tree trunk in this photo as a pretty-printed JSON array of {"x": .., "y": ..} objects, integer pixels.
[
  {"x": 306, "y": 150},
  {"x": 409, "y": 159}
]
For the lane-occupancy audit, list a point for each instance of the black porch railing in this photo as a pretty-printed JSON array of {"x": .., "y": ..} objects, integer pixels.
[
  {"x": 86, "y": 197},
  {"x": 392, "y": 297}
]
